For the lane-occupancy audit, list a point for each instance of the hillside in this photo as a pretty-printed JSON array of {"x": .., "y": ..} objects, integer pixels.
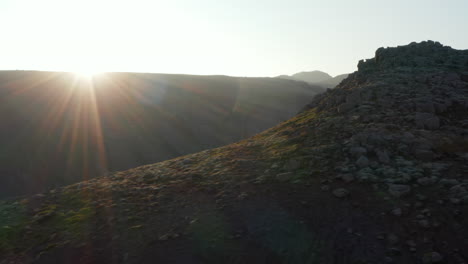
[
  {"x": 317, "y": 78},
  {"x": 373, "y": 171},
  {"x": 59, "y": 129}
]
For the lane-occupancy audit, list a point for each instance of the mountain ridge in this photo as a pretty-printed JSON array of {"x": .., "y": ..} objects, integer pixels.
[{"x": 316, "y": 77}]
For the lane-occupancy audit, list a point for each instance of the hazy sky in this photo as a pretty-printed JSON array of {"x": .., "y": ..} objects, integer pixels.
[{"x": 238, "y": 37}]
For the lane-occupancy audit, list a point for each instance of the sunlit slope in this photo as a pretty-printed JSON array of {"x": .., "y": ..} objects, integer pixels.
[{"x": 61, "y": 128}]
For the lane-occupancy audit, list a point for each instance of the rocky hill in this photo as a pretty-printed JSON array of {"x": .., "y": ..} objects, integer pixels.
[
  {"x": 373, "y": 171},
  {"x": 59, "y": 129}
]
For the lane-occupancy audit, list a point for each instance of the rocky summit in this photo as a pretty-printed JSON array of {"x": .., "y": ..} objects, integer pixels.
[{"x": 372, "y": 171}]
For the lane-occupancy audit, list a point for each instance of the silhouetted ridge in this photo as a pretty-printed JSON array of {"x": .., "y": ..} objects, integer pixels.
[
  {"x": 426, "y": 54},
  {"x": 426, "y": 71}
]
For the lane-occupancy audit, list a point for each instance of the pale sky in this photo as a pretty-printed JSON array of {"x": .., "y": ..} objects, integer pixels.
[{"x": 238, "y": 37}]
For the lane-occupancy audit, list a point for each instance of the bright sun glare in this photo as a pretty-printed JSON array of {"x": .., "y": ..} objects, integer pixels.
[{"x": 87, "y": 73}]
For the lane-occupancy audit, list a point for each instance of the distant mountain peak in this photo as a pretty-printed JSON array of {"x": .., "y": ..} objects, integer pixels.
[
  {"x": 312, "y": 76},
  {"x": 316, "y": 77}
]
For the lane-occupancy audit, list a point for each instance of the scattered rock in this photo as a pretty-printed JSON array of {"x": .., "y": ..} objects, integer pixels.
[
  {"x": 433, "y": 257},
  {"x": 423, "y": 154},
  {"x": 424, "y": 223},
  {"x": 358, "y": 151},
  {"x": 421, "y": 197},
  {"x": 449, "y": 182},
  {"x": 392, "y": 239},
  {"x": 292, "y": 164},
  {"x": 340, "y": 192},
  {"x": 427, "y": 121},
  {"x": 164, "y": 237},
  {"x": 425, "y": 181},
  {"x": 464, "y": 76},
  {"x": 399, "y": 190},
  {"x": 388, "y": 260},
  {"x": 346, "y": 177},
  {"x": 284, "y": 177},
  {"x": 362, "y": 162},
  {"x": 383, "y": 156},
  {"x": 464, "y": 200},
  {"x": 411, "y": 243},
  {"x": 397, "y": 212}
]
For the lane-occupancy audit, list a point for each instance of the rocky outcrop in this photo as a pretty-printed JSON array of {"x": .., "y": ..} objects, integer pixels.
[
  {"x": 400, "y": 124},
  {"x": 426, "y": 55}
]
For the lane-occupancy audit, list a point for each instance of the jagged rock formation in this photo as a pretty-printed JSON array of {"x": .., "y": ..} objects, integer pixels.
[
  {"x": 373, "y": 171},
  {"x": 405, "y": 113},
  {"x": 427, "y": 55}
]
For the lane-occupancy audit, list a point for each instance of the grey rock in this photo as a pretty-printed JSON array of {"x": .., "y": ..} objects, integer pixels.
[
  {"x": 421, "y": 197},
  {"x": 397, "y": 212},
  {"x": 464, "y": 199},
  {"x": 418, "y": 204},
  {"x": 340, "y": 192},
  {"x": 452, "y": 76},
  {"x": 354, "y": 98},
  {"x": 407, "y": 138},
  {"x": 399, "y": 190},
  {"x": 284, "y": 177},
  {"x": 427, "y": 121},
  {"x": 440, "y": 107},
  {"x": 362, "y": 162},
  {"x": 427, "y": 107},
  {"x": 292, "y": 165},
  {"x": 358, "y": 151},
  {"x": 424, "y": 223},
  {"x": 426, "y": 181},
  {"x": 346, "y": 107},
  {"x": 392, "y": 239},
  {"x": 383, "y": 156},
  {"x": 346, "y": 177},
  {"x": 449, "y": 182},
  {"x": 394, "y": 251},
  {"x": 411, "y": 243},
  {"x": 366, "y": 175},
  {"x": 464, "y": 76},
  {"x": 424, "y": 155},
  {"x": 432, "y": 257},
  {"x": 458, "y": 190}
]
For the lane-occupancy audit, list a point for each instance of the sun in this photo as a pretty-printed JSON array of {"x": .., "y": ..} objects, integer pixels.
[{"x": 87, "y": 73}]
